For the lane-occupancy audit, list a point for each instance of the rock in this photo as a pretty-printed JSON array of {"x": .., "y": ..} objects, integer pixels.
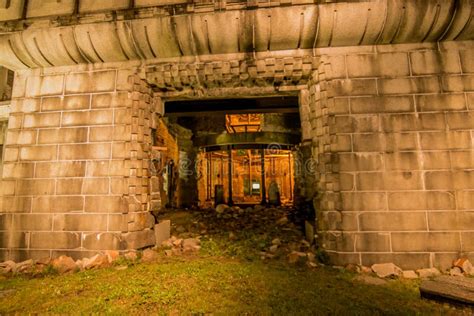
[
  {"x": 162, "y": 231},
  {"x": 191, "y": 245},
  {"x": 296, "y": 256},
  {"x": 282, "y": 221},
  {"x": 248, "y": 210},
  {"x": 7, "y": 267},
  {"x": 64, "y": 264},
  {"x": 365, "y": 270},
  {"x": 311, "y": 257},
  {"x": 465, "y": 265},
  {"x": 309, "y": 231},
  {"x": 276, "y": 241},
  {"x": 177, "y": 242},
  {"x": 132, "y": 255},
  {"x": 80, "y": 265},
  {"x": 180, "y": 229},
  {"x": 25, "y": 266},
  {"x": 384, "y": 270},
  {"x": 428, "y": 273},
  {"x": 352, "y": 267},
  {"x": 456, "y": 271},
  {"x": 221, "y": 208},
  {"x": 232, "y": 236},
  {"x": 273, "y": 248},
  {"x": 258, "y": 208},
  {"x": 112, "y": 255},
  {"x": 149, "y": 255},
  {"x": 409, "y": 274},
  {"x": 167, "y": 244},
  {"x": 121, "y": 268},
  {"x": 97, "y": 261},
  {"x": 367, "y": 279},
  {"x": 311, "y": 264},
  {"x": 168, "y": 253}
]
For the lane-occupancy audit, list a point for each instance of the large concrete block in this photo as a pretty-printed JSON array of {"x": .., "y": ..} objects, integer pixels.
[
  {"x": 57, "y": 204},
  {"x": 44, "y": 85},
  {"x": 86, "y": 151},
  {"x": 451, "y": 221},
  {"x": 393, "y": 221},
  {"x": 139, "y": 239},
  {"x": 376, "y": 181},
  {"x": 80, "y": 222},
  {"x": 55, "y": 240},
  {"x": 385, "y": 104},
  {"x": 462, "y": 83},
  {"x": 103, "y": 241},
  {"x": 373, "y": 242},
  {"x": 409, "y": 85},
  {"x": 32, "y": 222},
  {"x": 445, "y": 140},
  {"x": 60, "y": 169},
  {"x": 432, "y": 242},
  {"x": 21, "y": 137},
  {"x": 63, "y": 135},
  {"x": 41, "y": 120},
  {"x": 378, "y": 65},
  {"x": 364, "y": 201},
  {"x": 421, "y": 200},
  {"x": 434, "y": 62},
  {"x": 162, "y": 231},
  {"x": 449, "y": 180},
  {"x": 72, "y": 102},
  {"x": 100, "y": 81},
  {"x": 360, "y": 162},
  {"x": 35, "y": 187},
  {"x": 465, "y": 200},
  {"x": 40, "y": 8},
  {"x": 441, "y": 102},
  {"x": 86, "y": 118}
]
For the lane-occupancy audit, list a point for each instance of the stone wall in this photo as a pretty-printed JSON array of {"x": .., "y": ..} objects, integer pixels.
[
  {"x": 392, "y": 134},
  {"x": 75, "y": 173}
]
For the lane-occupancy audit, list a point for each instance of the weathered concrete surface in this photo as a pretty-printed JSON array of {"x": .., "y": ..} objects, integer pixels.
[
  {"x": 387, "y": 127},
  {"x": 154, "y": 31}
]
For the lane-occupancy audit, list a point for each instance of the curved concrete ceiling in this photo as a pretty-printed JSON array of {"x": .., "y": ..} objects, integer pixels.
[{"x": 237, "y": 31}]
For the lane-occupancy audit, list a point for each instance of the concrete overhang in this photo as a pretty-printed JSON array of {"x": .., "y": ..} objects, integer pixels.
[{"x": 50, "y": 33}]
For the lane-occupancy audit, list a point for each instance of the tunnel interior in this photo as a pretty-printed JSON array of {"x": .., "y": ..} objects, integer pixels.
[{"x": 233, "y": 151}]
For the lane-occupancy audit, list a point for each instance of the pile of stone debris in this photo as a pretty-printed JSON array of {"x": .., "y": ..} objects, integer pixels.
[
  {"x": 461, "y": 267},
  {"x": 275, "y": 232}
]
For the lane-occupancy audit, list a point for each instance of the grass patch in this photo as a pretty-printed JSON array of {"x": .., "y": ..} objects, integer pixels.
[{"x": 211, "y": 285}]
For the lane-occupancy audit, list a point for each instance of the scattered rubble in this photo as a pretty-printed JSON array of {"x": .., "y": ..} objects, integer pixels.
[
  {"x": 428, "y": 273},
  {"x": 465, "y": 265},
  {"x": 409, "y": 274},
  {"x": 384, "y": 270}
]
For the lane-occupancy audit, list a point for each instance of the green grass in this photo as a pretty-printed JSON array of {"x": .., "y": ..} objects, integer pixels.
[{"x": 211, "y": 285}]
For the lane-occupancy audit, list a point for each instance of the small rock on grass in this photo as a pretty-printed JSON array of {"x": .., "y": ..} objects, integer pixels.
[
  {"x": 409, "y": 274},
  {"x": 64, "y": 264},
  {"x": 385, "y": 270},
  {"x": 456, "y": 271},
  {"x": 221, "y": 208},
  {"x": 149, "y": 255},
  {"x": 428, "y": 273},
  {"x": 296, "y": 256}
]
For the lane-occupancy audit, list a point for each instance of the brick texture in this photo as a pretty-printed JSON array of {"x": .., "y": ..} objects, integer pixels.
[
  {"x": 62, "y": 187},
  {"x": 393, "y": 138}
]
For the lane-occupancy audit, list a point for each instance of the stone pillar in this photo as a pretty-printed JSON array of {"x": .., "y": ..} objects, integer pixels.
[
  {"x": 396, "y": 154},
  {"x": 75, "y": 175}
]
